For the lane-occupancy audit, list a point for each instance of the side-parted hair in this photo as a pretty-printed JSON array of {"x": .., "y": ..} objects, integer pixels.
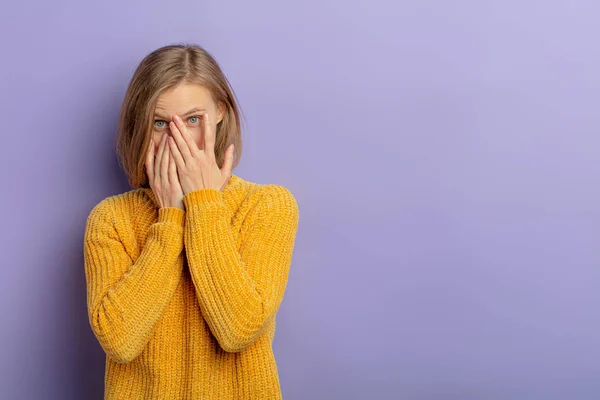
[{"x": 160, "y": 70}]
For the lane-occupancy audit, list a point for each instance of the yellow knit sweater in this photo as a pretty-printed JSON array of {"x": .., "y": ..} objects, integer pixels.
[{"x": 184, "y": 302}]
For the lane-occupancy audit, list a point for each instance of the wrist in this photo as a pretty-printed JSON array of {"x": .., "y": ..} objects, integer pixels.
[
  {"x": 206, "y": 195},
  {"x": 171, "y": 214}
]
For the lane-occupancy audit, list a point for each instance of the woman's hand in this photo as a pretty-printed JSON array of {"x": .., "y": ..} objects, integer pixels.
[
  {"x": 162, "y": 175},
  {"x": 197, "y": 168}
]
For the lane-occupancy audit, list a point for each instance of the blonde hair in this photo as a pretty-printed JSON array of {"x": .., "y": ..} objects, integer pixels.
[{"x": 162, "y": 69}]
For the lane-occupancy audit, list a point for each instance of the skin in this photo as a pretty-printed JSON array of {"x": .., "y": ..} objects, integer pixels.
[{"x": 181, "y": 157}]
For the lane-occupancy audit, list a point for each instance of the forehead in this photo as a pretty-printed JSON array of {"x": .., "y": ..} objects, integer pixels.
[{"x": 183, "y": 97}]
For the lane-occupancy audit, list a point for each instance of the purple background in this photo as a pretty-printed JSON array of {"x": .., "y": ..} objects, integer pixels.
[{"x": 444, "y": 156}]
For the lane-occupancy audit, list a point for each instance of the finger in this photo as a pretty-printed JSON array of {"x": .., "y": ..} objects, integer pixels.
[
  {"x": 164, "y": 163},
  {"x": 184, "y": 141},
  {"x": 227, "y": 165},
  {"x": 150, "y": 162},
  {"x": 159, "y": 157},
  {"x": 209, "y": 137},
  {"x": 228, "y": 162},
  {"x": 176, "y": 154},
  {"x": 173, "y": 178}
]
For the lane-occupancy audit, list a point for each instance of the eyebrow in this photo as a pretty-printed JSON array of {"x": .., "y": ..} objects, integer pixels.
[{"x": 158, "y": 113}]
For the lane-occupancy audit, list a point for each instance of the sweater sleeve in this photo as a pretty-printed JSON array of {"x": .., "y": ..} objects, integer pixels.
[
  {"x": 126, "y": 298},
  {"x": 239, "y": 292}
]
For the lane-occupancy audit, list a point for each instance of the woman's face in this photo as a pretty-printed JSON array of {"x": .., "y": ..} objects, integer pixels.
[{"x": 190, "y": 101}]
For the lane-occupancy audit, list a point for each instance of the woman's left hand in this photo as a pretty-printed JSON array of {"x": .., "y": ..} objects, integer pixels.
[{"x": 198, "y": 169}]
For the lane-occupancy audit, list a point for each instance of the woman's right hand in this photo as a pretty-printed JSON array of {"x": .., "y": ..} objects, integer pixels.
[{"x": 162, "y": 175}]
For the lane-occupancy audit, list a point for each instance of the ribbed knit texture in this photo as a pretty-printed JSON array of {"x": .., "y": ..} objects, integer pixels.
[{"x": 183, "y": 302}]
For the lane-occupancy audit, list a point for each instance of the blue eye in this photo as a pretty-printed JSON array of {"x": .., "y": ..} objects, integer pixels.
[
  {"x": 194, "y": 120},
  {"x": 160, "y": 124}
]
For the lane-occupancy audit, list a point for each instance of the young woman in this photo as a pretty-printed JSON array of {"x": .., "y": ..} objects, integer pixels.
[{"x": 185, "y": 272}]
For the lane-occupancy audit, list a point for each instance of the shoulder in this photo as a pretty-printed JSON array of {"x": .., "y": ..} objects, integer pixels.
[
  {"x": 278, "y": 197},
  {"x": 267, "y": 200},
  {"x": 122, "y": 204},
  {"x": 99, "y": 221},
  {"x": 101, "y": 211}
]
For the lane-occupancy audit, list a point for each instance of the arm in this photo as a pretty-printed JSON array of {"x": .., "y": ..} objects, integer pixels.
[
  {"x": 126, "y": 299},
  {"x": 239, "y": 292}
]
